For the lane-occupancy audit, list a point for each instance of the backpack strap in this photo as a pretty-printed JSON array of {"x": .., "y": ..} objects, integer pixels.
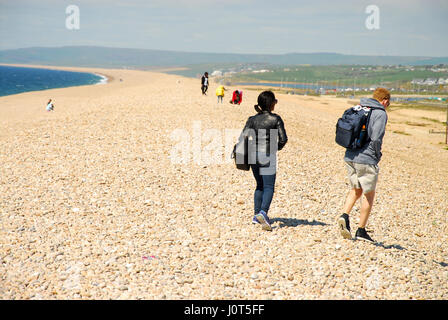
[{"x": 368, "y": 118}]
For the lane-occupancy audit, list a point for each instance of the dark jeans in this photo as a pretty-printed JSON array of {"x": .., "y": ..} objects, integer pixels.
[
  {"x": 264, "y": 191},
  {"x": 204, "y": 89}
]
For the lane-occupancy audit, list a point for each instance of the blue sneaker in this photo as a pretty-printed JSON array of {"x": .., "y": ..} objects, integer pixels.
[
  {"x": 263, "y": 219},
  {"x": 254, "y": 220}
]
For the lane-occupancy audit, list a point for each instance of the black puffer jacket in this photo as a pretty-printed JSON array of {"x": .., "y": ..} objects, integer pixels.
[{"x": 265, "y": 120}]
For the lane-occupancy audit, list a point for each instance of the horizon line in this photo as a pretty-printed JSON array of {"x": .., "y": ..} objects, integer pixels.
[{"x": 229, "y": 53}]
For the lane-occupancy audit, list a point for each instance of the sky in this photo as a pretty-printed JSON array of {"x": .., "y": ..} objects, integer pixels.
[{"x": 403, "y": 28}]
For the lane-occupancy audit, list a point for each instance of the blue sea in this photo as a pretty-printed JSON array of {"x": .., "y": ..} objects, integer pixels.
[{"x": 15, "y": 80}]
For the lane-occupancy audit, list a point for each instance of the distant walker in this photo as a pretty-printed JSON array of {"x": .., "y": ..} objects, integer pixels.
[
  {"x": 204, "y": 83},
  {"x": 50, "y": 106}
]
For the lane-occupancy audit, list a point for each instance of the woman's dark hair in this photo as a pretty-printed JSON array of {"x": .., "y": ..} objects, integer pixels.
[{"x": 265, "y": 101}]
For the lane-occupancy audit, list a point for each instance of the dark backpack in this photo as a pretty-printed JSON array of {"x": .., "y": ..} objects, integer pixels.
[{"x": 351, "y": 128}]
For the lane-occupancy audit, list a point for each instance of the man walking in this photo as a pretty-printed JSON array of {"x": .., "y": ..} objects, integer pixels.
[
  {"x": 204, "y": 83},
  {"x": 362, "y": 166}
]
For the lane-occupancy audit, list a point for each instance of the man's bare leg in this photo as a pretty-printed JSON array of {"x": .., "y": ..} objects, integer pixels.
[
  {"x": 344, "y": 221},
  {"x": 366, "y": 208},
  {"x": 351, "y": 199}
]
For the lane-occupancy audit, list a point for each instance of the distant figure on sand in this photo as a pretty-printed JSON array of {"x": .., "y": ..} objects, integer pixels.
[
  {"x": 237, "y": 97},
  {"x": 362, "y": 165},
  {"x": 220, "y": 93},
  {"x": 268, "y": 131},
  {"x": 50, "y": 106},
  {"x": 204, "y": 83}
]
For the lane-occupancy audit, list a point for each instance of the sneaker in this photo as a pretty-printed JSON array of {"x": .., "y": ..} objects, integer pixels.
[
  {"x": 263, "y": 219},
  {"x": 361, "y": 234},
  {"x": 344, "y": 225},
  {"x": 254, "y": 220}
]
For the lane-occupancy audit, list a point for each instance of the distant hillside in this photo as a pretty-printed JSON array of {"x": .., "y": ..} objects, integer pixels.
[{"x": 87, "y": 56}]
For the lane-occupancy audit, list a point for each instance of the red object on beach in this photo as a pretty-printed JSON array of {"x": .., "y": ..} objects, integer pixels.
[{"x": 237, "y": 97}]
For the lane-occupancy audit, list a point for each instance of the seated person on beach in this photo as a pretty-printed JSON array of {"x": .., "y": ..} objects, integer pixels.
[
  {"x": 50, "y": 106},
  {"x": 237, "y": 97}
]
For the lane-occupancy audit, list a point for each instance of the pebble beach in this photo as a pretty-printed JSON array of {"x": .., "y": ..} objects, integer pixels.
[{"x": 94, "y": 205}]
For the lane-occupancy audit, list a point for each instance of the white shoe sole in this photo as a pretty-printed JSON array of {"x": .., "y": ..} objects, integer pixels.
[
  {"x": 364, "y": 239},
  {"x": 343, "y": 228},
  {"x": 264, "y": 224}
]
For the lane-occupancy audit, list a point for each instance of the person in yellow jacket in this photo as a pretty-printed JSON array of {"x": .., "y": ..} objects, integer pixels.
[{"x": 220, "y": 93}]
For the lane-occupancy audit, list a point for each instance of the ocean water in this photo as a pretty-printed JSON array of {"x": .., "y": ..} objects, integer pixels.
[{"x": 15, "y": 80}]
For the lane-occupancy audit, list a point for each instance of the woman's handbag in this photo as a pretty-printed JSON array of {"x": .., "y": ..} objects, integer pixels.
[{"x": 241, "y": 154}]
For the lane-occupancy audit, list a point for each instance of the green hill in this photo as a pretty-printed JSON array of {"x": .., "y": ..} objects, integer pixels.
[{"x": 88, "y": 56}]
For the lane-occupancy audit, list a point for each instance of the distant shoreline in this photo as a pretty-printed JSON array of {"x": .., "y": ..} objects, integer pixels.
[
  {"x": 64, "y": 68},
  {"x": 105, "y": 78}
]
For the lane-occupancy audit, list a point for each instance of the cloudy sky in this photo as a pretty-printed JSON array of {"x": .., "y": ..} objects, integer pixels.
[{"x": 409, "y": 28}]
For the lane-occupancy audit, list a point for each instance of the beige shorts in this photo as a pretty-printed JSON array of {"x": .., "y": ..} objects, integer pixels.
[{"x": 362, "y": 176}]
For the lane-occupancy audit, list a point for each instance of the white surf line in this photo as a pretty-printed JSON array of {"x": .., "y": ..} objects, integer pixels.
[{"x": 103, "y": 80}]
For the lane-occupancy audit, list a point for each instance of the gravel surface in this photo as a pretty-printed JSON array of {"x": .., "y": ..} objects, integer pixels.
[{"x": 94, "y": 206}]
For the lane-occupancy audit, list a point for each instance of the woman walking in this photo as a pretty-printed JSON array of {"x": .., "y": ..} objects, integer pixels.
[{"x": 270, "y": 135}]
